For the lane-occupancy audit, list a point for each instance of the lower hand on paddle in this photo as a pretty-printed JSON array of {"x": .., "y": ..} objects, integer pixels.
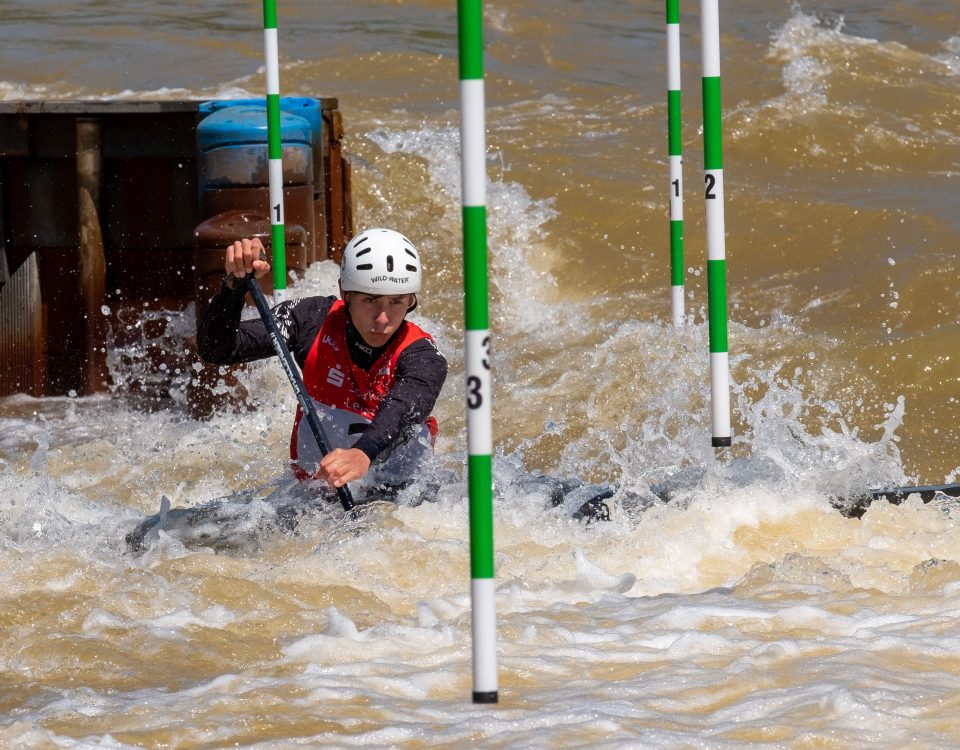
[
  {"x": 342, "y": 465},
  {"x": 246, "y": 256}
]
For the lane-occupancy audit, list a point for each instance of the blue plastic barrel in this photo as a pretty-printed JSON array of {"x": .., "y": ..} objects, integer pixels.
[
  {"x": 233, "y": 165},
  {"x": 302, "y": 106},
  {"x": 232, "y": 144}
]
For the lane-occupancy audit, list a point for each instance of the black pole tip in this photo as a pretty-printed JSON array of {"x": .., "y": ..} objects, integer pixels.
[
  {"x": 721, "y": 442},
  {"x": 488, "y": 697}
]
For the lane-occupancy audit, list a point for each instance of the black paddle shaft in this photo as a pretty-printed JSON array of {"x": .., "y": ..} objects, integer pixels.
[{"x": 290, "y": 367}]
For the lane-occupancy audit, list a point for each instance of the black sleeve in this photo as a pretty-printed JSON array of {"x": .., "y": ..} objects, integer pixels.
[
  {"x": 223, "y": 339},
  {"x": 421, "y": 370}
]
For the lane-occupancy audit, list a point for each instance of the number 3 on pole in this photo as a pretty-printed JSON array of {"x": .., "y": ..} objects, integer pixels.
[
  {"x": 479, "y": 437},
  {"x": 474, "y": 396},
  {"x": 475, "y": 385}
]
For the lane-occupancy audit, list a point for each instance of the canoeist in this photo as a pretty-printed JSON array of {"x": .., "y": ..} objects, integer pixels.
[{"x": 373, "y": 375}]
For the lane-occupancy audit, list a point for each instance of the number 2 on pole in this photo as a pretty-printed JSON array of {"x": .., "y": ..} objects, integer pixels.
[{"x": 711, "y": 184}]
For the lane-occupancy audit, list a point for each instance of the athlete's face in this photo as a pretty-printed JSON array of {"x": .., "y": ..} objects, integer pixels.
[{"x": 377, "y": 316}]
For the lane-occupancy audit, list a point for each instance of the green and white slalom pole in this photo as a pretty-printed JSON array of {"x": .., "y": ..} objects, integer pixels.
[
  {"x": 477, "y": 346},
  {"x": 676, "y": 161},
  {"x": 716, "y": 241},
  {"x": 274, "y": 150}
]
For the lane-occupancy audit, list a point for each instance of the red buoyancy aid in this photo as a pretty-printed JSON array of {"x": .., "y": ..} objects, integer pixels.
[{"x": 333, "y": 380}]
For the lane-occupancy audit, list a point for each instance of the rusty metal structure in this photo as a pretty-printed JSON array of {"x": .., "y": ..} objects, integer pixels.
[{"x": 113, "y": 224}]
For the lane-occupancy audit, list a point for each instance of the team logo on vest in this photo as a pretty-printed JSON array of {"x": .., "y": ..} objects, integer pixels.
[
  {"x": 328, "y": 340},
  {"x": 335, "y": 376}
]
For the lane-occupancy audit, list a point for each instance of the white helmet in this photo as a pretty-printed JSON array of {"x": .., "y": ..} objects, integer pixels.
[{"x": 380, "y": 261}]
